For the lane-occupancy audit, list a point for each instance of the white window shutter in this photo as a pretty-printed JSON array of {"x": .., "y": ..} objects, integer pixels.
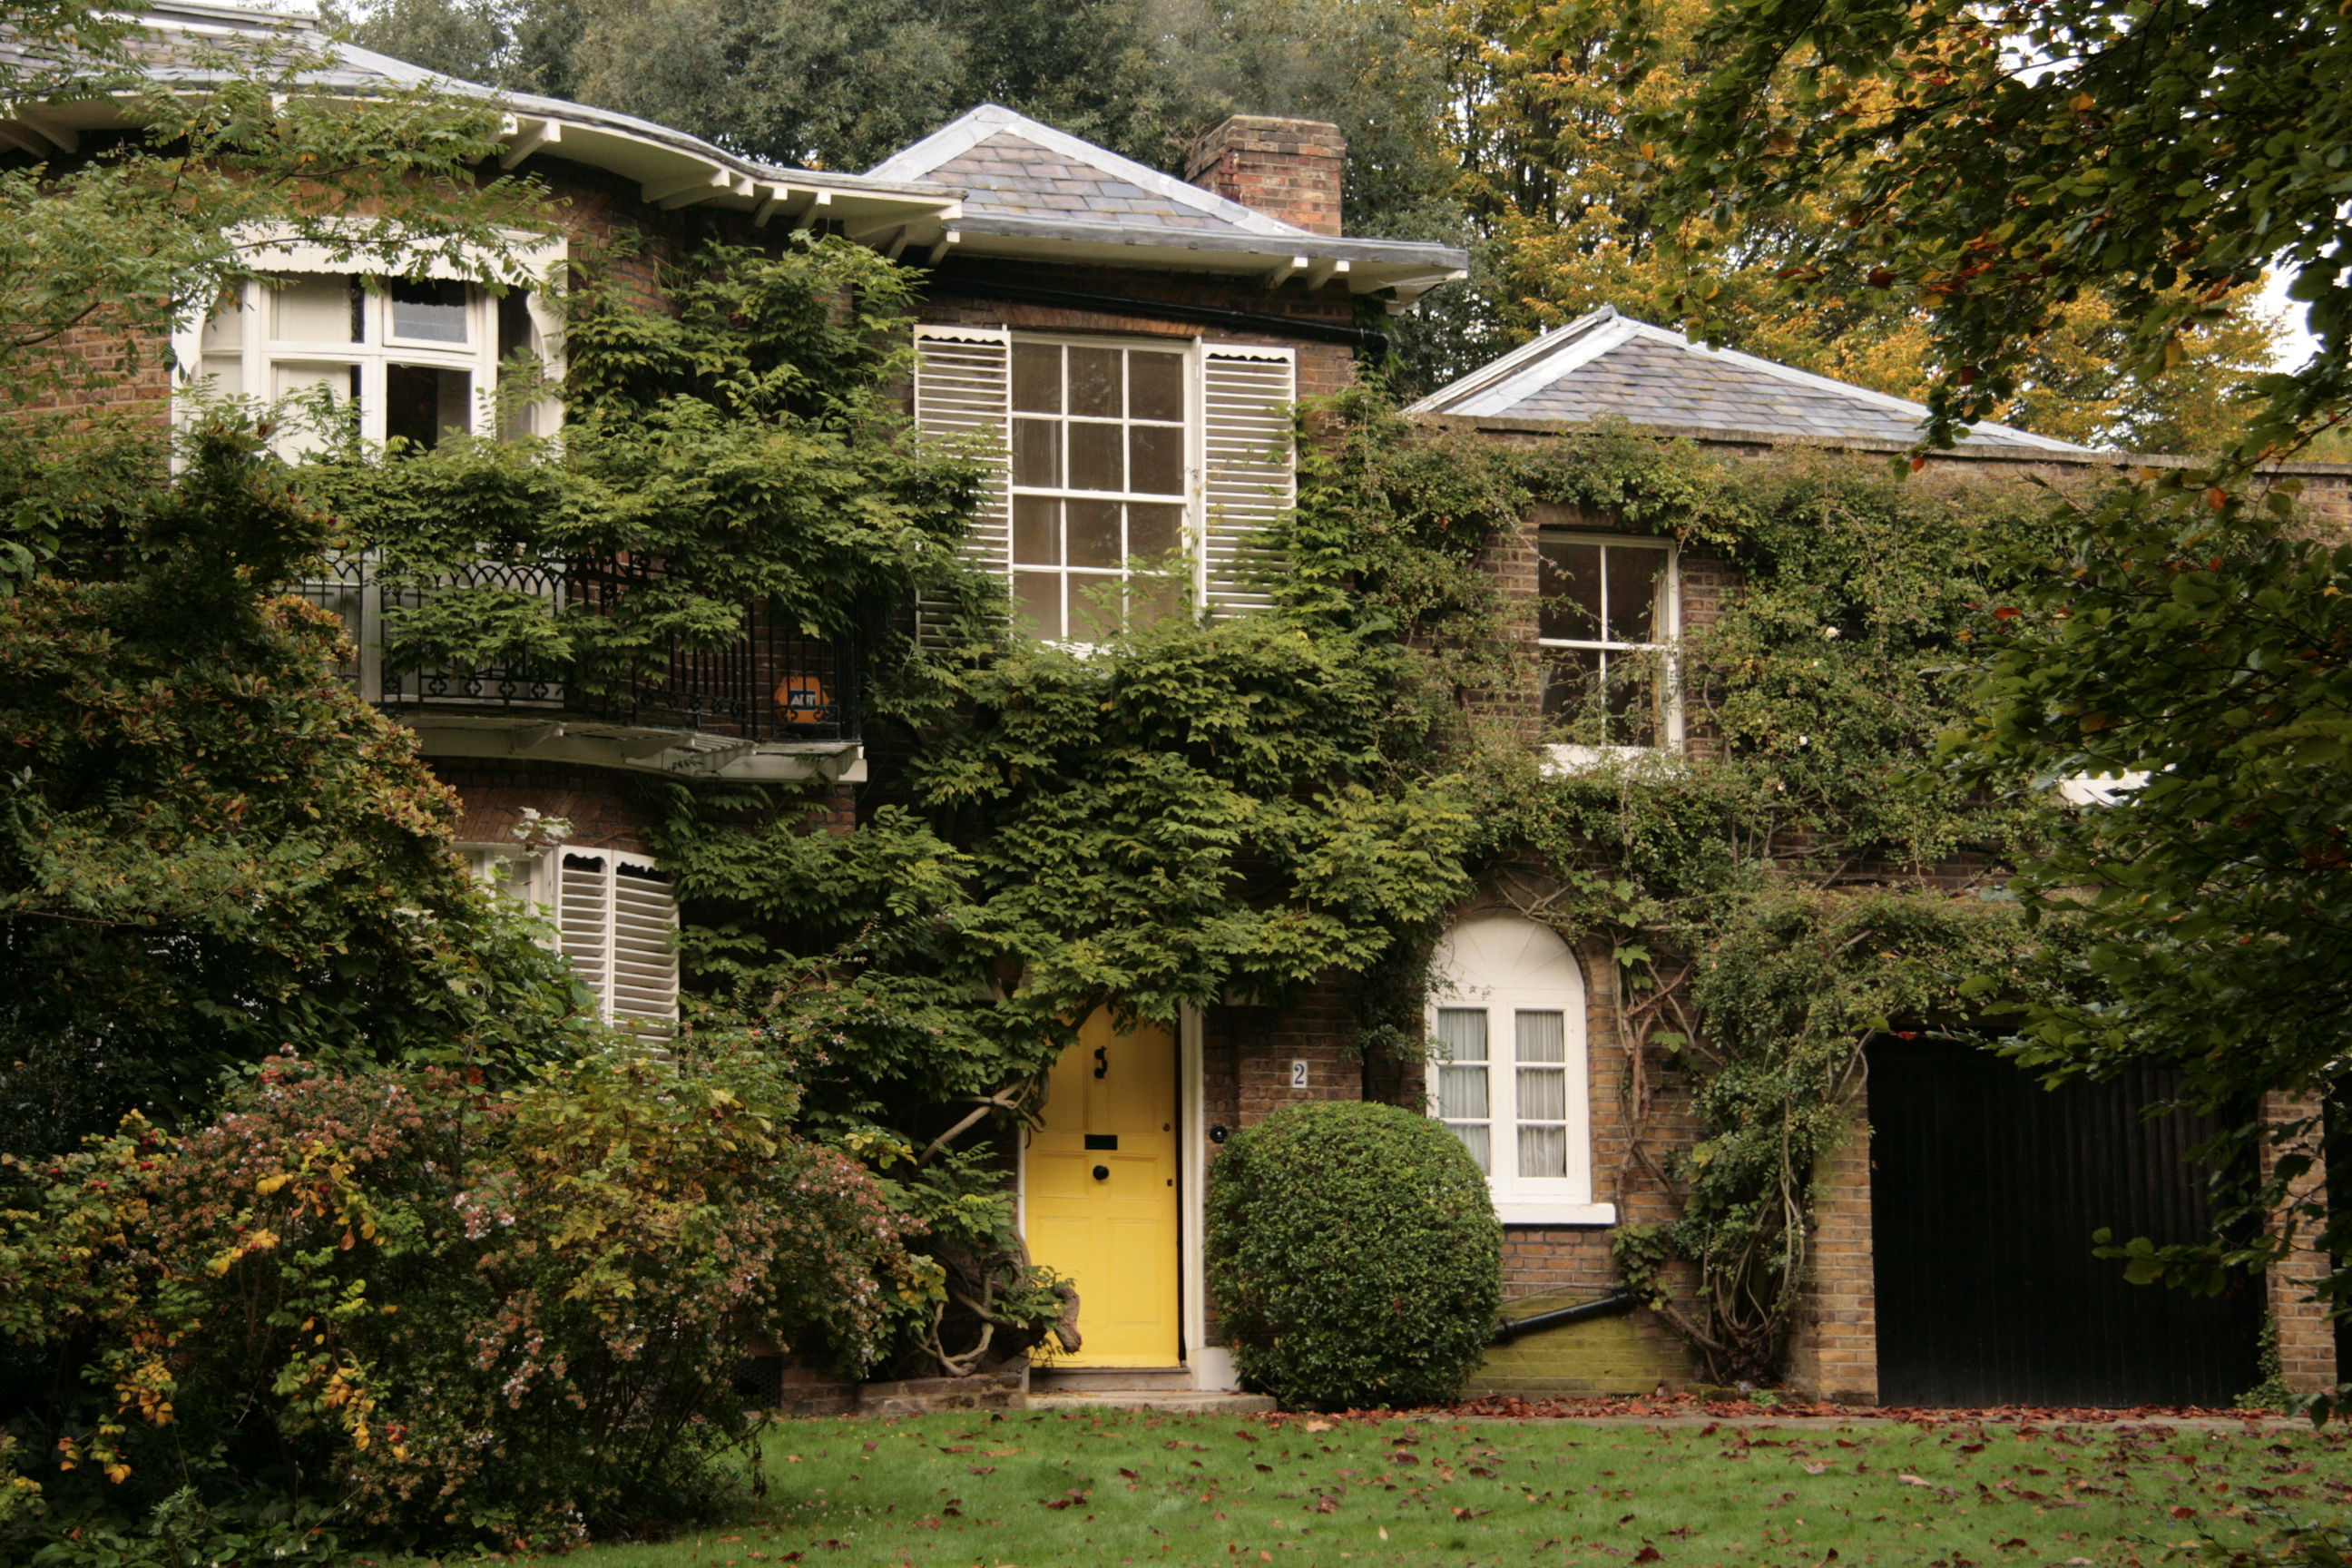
[
  {"x": 615, "y": 920},
  {"x": 963, "y": 387},
  {"x": 1250, "y": 471}
]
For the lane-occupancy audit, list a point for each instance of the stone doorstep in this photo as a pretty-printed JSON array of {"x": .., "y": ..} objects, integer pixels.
[{"x": 1160, "y": 1401}]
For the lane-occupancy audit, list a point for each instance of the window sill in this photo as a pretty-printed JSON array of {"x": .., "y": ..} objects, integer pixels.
[
  {"x": 1567, "y": 762},
  {"x": 1540, "y": 1211}
]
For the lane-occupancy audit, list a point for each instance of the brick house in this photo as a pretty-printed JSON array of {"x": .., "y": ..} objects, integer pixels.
[
  {"x": 1950, "y": 1264},
  {"x": 1133, "y": 341}
]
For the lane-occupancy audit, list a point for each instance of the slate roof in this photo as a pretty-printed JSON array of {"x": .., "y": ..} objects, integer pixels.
[
  {"x": 1605, "y": 365},
  {"x": 1007, "y": 173},
  {"x": 1009, "y": 166}
]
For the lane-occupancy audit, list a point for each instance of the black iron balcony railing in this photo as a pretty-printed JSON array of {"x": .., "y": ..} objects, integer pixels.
[{"x": 766, "y": 684}]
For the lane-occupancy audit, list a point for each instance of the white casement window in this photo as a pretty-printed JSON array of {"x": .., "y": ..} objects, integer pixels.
[
  {"x": 615, "y": 916},
  {"x": 1120, "y": 472},
  {"x": 418, "y": 358},
  {"x": 1608, "y": 620},
  {"x": 1507, "y": 1071}
]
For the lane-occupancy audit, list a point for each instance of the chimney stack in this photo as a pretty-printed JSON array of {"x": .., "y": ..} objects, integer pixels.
[{"x": 1286, "y": 169}]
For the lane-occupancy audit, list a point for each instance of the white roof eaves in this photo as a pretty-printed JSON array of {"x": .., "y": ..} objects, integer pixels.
[
  {"x": 1566, "y": 358},
  {"x": 969, "y": 131}
]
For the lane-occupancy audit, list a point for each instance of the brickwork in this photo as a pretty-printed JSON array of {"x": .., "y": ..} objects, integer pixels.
[
  {"x": 1286, "y": 169},
  {"x": 2306, "y": 1340},
  {"x": 603, "y": 810},
  {"x": 1635, "y": 1354},
  {"x": 1834, "y": 1353},
  {"x": 1323, "y": 368}
]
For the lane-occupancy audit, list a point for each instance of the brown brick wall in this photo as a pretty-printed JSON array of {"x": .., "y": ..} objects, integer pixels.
[
  {"x": 2306, "y": 1340},
  {"x": 1833, "y": 1352},
  {"x": 1286, "y": 169},
  {"x": 603, "y": 808}
]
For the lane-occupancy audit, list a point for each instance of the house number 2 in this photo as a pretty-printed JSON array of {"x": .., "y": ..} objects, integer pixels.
[{"x": 1298, "y": 1075}]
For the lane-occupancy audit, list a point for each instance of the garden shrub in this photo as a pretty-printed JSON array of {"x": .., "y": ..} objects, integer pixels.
[
  {"x": 1354, "y": 1256},
  {"x": 423, "y": 1312}
]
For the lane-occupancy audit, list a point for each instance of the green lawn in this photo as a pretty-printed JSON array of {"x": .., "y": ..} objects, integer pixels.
[{"x": 1041, "y": 1488}]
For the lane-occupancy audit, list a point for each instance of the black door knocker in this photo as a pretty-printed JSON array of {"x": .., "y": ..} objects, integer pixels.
[{"x": 1102, "y": 1061}]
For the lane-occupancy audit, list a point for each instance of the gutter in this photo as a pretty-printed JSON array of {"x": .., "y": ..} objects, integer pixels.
[
  {"x": 1510, "y": 1329},
  {"x": 1352, "y": 337}
]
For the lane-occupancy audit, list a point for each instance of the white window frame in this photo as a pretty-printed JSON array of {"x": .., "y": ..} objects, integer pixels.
[
  {"x": 1505, "y": 965},
  {"x": 1189, "y": 352},
  {"x": 534, "y": 878},
  {"x": 1666, "y": 648},
  {"x": 379, "y": 349}
]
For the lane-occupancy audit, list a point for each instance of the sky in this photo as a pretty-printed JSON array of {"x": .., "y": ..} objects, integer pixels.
[{"x": 2297, "y": 345}]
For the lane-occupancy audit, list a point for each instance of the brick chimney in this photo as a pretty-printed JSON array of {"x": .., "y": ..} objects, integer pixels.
[{"x": 1287, "y": 169}]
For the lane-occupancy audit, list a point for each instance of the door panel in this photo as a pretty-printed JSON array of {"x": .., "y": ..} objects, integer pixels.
[
  {"x": 1984, "y": 1190},
  {"x": 1114, "y": 1233}
]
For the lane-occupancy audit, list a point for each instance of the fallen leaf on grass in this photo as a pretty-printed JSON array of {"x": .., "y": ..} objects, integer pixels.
[
  {"x": 1319, "y": 1427},
  {"x": 1649, "y": 1554},
  {"x": 1067, "y": 1499},
  {"x": 1815, "y": 1470},
  {"x": 1384, "y": 1532},
  {"x": 1914, "y": 1480}
]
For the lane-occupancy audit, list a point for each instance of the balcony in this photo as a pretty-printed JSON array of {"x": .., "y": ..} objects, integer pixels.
[{"x": 766, "y": 705}]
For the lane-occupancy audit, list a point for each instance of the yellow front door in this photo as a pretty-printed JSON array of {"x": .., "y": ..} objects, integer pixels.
[{"x": 1100, "y": 1191}]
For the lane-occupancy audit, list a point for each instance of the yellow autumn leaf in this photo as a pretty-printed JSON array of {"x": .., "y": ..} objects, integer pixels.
[{"x": 268, "y": 1184}]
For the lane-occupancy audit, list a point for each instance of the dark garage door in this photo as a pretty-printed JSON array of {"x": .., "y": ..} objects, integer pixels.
[{"x": 1984, "y": 1192}]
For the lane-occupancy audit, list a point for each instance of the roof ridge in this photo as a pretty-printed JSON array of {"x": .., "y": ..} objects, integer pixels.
[{"x": 919, "y": 159}]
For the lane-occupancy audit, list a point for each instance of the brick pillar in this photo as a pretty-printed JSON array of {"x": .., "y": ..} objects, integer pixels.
[
  {"x": 2306, "y": 1341},
  {"x": 1834, "y": 1353},
  {"x": 1286, "y": 169}
]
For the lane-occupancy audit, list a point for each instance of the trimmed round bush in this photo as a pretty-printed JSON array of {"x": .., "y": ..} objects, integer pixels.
[{"x": 1354, "y": 1256}]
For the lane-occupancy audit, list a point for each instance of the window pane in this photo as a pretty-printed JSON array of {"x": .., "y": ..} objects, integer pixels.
[
  {"x": 1037, "y": 453},
  {"x": 430, "y": 312},
  {"x": 1094, "y": 382},
  {"x": 1153, "y": 531},
  {"x": 1461, "y": 1092},
  {"x": 515, "y": 332},
  {"x": 1037, "y": 378},
  {"x": 1570, "y": 582},
  {"x": 316, "y": 310},
  {"x": 225, "y": 328},
  {"x": 1571, "y": 681},
  {"x": 1474, "y": 1139},
  {"x": 1037, "y": 604},
  {"x": 1093, "y": 532},
  {"x": 1543, "y": 1036},
  {"x": 1543, "y": 1151},
  {"x": 1097, "y": 606},
  {"x": 1155, "y": 386},
  {"x": 1634, "y": 578},
  {"x": 1036, "y": 530},
  {"x": 1156, "y": 458},
  {"x": 226, "y": 372},
  {"x": 1151, "y": 599},
  {"x": 1633, "y": 700},
  {"x": 1462, "y": 1034},
  {"x": 422, "y": 403},
  {"x": 1095, "y": 459},
  {"x": 1543, "y": 1094}
]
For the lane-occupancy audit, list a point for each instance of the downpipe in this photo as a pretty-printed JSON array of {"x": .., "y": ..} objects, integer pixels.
[{"x": 1612, "y": 1306}]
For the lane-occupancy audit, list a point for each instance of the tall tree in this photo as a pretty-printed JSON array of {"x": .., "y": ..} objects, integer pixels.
[{"x": 210, "y": 847}]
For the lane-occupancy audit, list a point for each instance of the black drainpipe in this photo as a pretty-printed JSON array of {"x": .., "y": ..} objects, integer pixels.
[
  {"x": 1510, "y": 1329},
  {"x": 979, "y": 288}
]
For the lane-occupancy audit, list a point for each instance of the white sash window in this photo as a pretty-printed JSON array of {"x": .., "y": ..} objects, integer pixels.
[
  {"x": 1118, "y": 469},
  {"x": 615, "y": 916}
]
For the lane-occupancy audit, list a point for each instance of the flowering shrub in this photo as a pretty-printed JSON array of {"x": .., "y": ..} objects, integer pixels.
[{"x": 449, "y": 1315}]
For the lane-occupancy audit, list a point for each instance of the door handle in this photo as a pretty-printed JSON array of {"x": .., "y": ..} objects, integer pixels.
[{"x": 1102, "y": 1173}]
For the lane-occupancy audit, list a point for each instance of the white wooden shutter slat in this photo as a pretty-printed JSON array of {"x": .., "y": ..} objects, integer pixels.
[
  {"x": 963, "y": 387},
  {"x": 1250, "y": 477},
  {"x": 615, "y": 918}
]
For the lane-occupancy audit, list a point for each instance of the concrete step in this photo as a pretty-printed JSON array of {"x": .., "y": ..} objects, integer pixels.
[
  {"x": 1160, "y": 1401},
  {"x": 1107, "y": 1379}
]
